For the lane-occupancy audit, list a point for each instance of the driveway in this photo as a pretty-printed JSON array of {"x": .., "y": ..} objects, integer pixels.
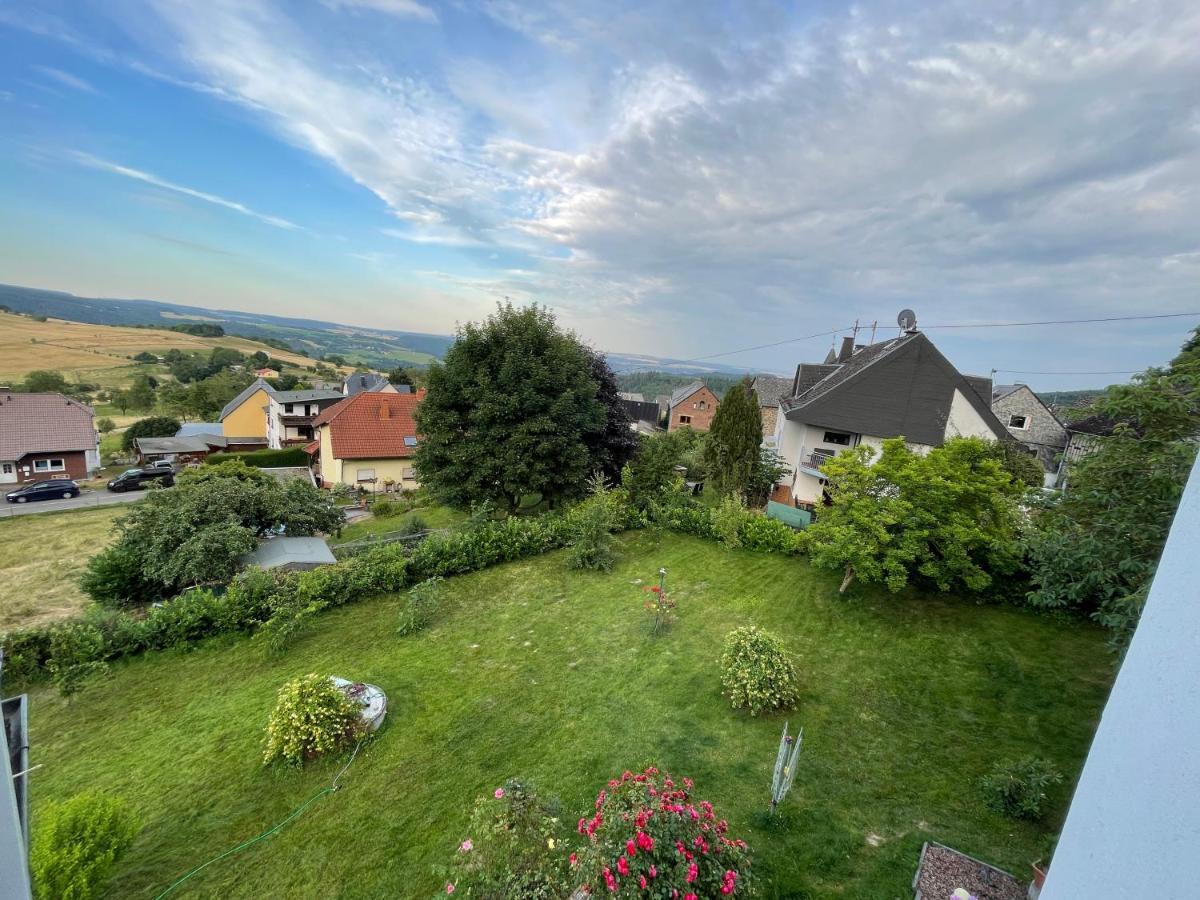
[{"x": 86, "y": 500}]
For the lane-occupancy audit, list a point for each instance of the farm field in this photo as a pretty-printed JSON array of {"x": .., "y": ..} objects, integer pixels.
[
  {"x": 537, "y": 671},
  {"x": 100, "y": 353},
  {"x": 41, "y": 557}
]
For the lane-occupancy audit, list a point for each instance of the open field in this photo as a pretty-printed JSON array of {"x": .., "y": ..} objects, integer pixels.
[
  {"x": 537, "y": 671},
  {"x": 41, "y": 557},
  {"x": 93, "y": 351}
]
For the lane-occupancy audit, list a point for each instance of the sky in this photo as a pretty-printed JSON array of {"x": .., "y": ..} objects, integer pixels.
[{"x": 678, "y": 179}]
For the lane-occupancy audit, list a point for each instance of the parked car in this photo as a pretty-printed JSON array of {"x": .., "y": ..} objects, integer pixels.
[
  {"x": 137, "y": 479},
  {"x": 59, "y": 489},
  {"x": 162, "y": 464}
]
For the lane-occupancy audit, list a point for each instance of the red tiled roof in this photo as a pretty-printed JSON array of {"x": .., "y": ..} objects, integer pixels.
[
  {"x": 43, "y": 423},
  {"x": 312, "y": 448},
  {"x": 372, "y": 425}
]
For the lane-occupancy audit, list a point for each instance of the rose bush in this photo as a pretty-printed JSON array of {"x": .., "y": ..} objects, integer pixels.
[{"x": 648, "y": 838}]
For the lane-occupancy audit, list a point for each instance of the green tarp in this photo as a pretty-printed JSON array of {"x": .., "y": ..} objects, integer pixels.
[{"x": 789, "y": 515}]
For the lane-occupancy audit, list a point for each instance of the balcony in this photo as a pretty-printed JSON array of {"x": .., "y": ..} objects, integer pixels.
[{"x": 812, "y": 460}]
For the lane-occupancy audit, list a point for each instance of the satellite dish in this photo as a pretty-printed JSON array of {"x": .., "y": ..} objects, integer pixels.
[{"x": 907, "y": 320}]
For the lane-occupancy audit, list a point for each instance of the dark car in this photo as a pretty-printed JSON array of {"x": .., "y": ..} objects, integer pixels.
[
  {"x": 60, "y": 489},
  {"x": 137, "y": 479}
]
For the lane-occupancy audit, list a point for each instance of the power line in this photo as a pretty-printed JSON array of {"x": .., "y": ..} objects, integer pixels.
[
  {"x": 1024, "y": 372},
  {"x": 773, "y": 344},
  {"x": 1066, "y": 321}
]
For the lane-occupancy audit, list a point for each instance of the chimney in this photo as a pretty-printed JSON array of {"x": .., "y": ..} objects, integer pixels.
[
  {"x": 385, "y": 411},
  {"x": 847, "y": 349}
]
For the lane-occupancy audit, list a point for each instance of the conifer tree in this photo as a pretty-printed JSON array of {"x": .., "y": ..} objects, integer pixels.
[{"x": 731, "y": 449}]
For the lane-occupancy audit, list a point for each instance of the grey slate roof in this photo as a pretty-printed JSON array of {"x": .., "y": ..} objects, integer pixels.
[
  {"x": 241, "y": 398},
  {"x": 899, "y": 387},
  {"x": 681, "y": 394},
  {"x": 771, "y": 389},
  {"x": 1000, "y": 391},
  {"x": 635, "y": 398},
  {"x": 363, "y": 381},
  {"x": 43, "y": 423},
  {"x": 285, "y": 551},
  {"x": 301, "y": 396},
  {"x": 190, "y": 444}
]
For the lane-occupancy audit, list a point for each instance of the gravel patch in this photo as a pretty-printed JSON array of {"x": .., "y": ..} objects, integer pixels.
[{"x": 943, "y": 870}]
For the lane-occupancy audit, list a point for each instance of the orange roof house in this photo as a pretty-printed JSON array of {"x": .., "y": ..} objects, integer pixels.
[{"x": 368, "y": 440}]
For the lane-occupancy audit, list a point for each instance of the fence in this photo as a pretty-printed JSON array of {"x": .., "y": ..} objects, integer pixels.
[{"x": 384, "y": 537}]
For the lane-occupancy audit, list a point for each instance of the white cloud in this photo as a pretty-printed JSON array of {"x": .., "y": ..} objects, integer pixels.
[
  {"x": 67, "y": 79},
  {"x": 404, "y": 9},
  {"x": 147, "y": 178}
]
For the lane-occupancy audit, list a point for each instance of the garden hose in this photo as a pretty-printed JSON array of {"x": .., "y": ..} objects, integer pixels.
[{"x": 266, "y": 834}]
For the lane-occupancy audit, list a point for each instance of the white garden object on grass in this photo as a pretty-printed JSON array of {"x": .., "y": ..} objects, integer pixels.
[{"x": 370, "y": 697}]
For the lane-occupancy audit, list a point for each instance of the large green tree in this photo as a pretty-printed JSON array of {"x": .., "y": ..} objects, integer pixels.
[
  {"x": 514, "y": 411},
  {"x": 44, "y": 381},
  {"x": 154, "y": 426},
  {"x": 948, "y": 517},
  {"x": 731, "y": 450},
  {"x": 1096, "y": 550}
]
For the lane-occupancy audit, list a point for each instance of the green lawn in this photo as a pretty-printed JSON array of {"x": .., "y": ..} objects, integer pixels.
[
  {"x": 432, "y": 516},
  {"x": 535, "y": 671}
]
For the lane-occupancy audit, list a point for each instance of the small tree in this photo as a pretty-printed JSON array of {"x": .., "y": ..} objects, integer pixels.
[
  {"x": 141, "y": 393},
  {"x": 77, "y": 845},
  {"x": 120, "y": 399},
  {"x": 652, "y": 470},
  {"x": 43, "y": 381},
  {"x": 592, "y": 523},
  {"x": 154, "y": 426},
  {"x": 769, "y": 467},
  {"x": 731, "y": 449},
  {"x": 104, "y": 425}
]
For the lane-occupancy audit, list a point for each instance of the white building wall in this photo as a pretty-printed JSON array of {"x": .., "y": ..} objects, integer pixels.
[
  {"x": 1133, "y": 829},
  {"x": 965, "y": 421}
]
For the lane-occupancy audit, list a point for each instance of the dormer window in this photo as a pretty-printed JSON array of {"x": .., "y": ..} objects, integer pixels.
[{"x": 1018, "y": 422}]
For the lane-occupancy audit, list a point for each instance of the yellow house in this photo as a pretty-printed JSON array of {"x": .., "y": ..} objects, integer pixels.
[
  {"x": 368, "y": 440},
  {"x": 246, "y": 414}
]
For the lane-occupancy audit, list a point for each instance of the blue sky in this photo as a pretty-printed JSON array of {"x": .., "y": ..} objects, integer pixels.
[{"x": 672, "y": 178}]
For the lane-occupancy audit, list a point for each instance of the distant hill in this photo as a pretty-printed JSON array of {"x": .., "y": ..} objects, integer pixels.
[
  {"x": 1064, "y": 400},
  {"x": 377, "y": 348}
]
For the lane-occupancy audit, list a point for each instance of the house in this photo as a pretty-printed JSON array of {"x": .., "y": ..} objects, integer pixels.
[
  {"x": 901, "y": 387},
  {"x": 290, "y": 554},
  {"x": 246, "y": 414},
  {"x": 290, "y": 415},
  {"x": 771, "y": 390},
  {"x": 692, "y": 406},
  {"x": 266, "y": 373},
  {"x": 371, "y": 382},
  {"x": 1031, "y": 423},
  {"x": 368, "y": 440},
  {"x": 1082, "y": 437},
  {"x": 643, "y": 413},
  {"x": 45, "y": 436}
]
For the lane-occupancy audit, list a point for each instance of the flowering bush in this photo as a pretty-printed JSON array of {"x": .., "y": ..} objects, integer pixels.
[
  {"x": 756, "y": 671},
  {"x": 313, "y": 716},
  {"x": 648, "y": 838},
  {"x": 659, "y": 604},
  {"x": 514, "y": 848}
]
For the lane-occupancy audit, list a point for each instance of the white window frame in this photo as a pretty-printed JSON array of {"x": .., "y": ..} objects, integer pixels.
[
  {"x": 48, "y": 465},
  {"x": 1024, "y": 426}
]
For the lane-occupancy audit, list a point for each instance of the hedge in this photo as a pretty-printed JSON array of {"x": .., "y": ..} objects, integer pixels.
[
  {"x": 279, "y": 605},
  {"x": 264, "y": 459}
]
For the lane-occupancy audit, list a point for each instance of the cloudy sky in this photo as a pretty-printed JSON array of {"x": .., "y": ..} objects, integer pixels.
[{"x": 681, "y": 179}]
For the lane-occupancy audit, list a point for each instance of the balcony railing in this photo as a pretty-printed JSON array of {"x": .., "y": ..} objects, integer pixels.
[{"x": 812, "y": 460}]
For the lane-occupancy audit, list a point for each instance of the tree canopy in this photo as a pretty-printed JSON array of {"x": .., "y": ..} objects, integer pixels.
[
  {"x": 154, "y": 426},
  {"x": 518, "y": 408},
  {"x": 948, "y": 517},
  {"x": 731, "y": 449}
]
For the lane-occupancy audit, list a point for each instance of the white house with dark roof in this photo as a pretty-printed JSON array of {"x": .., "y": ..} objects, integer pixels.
[
  {"x": 900, "y": 387},
  {"x": 290, "y": 415}
]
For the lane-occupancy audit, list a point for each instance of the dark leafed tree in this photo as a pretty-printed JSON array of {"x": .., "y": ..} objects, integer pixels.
[
  {"x": 731, "y": 449},
  {"x": 513, "y": 412},
  {"x": 617, "y": 443}
]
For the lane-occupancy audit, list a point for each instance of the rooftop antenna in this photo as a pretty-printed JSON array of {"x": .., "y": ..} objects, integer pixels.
[
  {"x": 874, "y": 325},
  {"x": 907, "y": 320},
  {"x": 854, "y": 335}
]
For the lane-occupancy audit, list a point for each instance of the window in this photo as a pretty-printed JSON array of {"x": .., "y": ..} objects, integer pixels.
[
  {"x": 8, "y": 468},
  {"x": 408, "y": 473},
  {"x": 1021, "y": 422},
  {"x": 837, "y": 437},
  {"x": 366, "y": 475},
  {"x": 49, "y": 465},
  {"x": 701, "y": 405},
  {"x": 685, "y": 420},
  {"x": 410, "y": 441},
  {"x": 289, "y": 409}
]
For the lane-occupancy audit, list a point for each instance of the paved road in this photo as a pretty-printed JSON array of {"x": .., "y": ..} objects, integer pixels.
[{"x": 86, "y": 500}]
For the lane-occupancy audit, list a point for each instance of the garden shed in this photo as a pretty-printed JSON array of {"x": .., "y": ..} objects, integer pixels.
[{"x": 293, "y": 554}]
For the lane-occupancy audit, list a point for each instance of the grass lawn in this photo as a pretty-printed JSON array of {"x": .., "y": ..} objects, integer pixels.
[
  {"x": 41, "y": 557},
  {"x": 432, "y": 516},
  {"x": 536, "y": 671}
]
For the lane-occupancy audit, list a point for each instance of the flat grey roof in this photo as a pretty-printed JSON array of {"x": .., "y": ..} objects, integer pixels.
[{"x": 282, "y": 551}]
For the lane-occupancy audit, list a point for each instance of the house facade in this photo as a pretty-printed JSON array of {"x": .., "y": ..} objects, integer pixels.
[
  {"x": 290, "y": 415},
  {"x": 45, "y": 437},
  {"x": 902, "y": 387},
  {"x": 246, "y": 414},
  {"x": 1031, "y": 423},
  {"x": 771, "y": 390},
  {"x": 1083, "y": 436},
  {"x": 368, "y": 440},
  {"x": 692, "y": 406}
]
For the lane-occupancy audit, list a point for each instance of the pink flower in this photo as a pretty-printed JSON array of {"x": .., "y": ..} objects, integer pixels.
[
  {"x": 693, "y": 871},
  {"x": 642, "y": 882},
  {"x": 499, "y": 793},
  {"x": 653, "y": 872},
  {"x": 690, "y": 897},
  {"x": 622, "y": 866},
  {"x": 609, "y": 881},
  {"x": 630, "y": 848},
  {"x": 466, "y": 846},
  {"x": 449, "y": 887},
  {"x": 573, "y": 859},
  {"x": 644, "y": 841}
]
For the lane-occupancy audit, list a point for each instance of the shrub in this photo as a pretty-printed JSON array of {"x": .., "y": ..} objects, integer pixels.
[
  {"x": 514, "y": 848},
  {"x": 756, "y": 671},
  {"x": 677, "y": 511},
  {"x": 313, "y": 717},
  {"x": 77, "y": 844},
  {"x": 727, "y": 521},
  {"x": 414, "y": 525},
  {"x": 591, "y": 524},
  {"x": 114, "y": 579},
  {"x": 77, "y": 653},
  {"x": 648, "y": 837},
  {"x": 1018, "y": 788},
  {"x": 264, "y": 459},
  {"x": 386, "y": 509},
  {"x": 766, "y": 535},
  {"x": 420, "y": 605},
  {"x": 104, "y": 425}
]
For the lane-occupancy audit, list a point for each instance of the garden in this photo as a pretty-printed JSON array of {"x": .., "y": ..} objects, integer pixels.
[{"x": 533, "y": 673}]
